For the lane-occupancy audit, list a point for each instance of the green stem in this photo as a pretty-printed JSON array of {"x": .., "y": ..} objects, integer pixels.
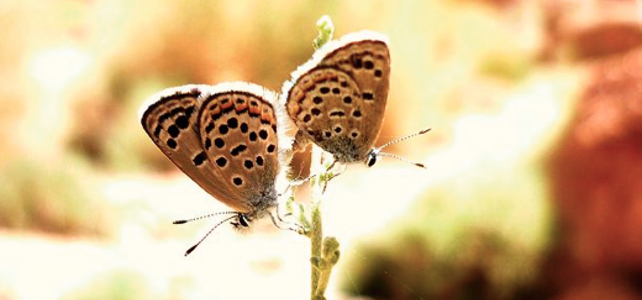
[
  {"x": 324, "y": 252},
  {"x": 316, "y": 224}
]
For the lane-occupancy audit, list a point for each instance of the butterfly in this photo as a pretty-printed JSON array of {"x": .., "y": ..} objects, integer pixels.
[
  {"x": 338, "y": 98},
  {"x": 224, "y": 137}
]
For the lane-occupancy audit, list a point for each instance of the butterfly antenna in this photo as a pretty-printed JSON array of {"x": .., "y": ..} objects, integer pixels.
[
  {"x": 404, "y": 138},
  {"x": 204, "y": 217},
  {"x": 207, "y": 234},
  {"x": 402, "y": 159}
]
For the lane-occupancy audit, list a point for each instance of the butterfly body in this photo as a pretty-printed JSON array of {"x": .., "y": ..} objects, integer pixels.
[
  {"x": 337, "y": 99},
  {"x": 224, "y": 137}
]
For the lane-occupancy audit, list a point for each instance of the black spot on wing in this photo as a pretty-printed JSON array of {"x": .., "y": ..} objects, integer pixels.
[
  {"x": 238, "y": 149},
  {"x": 221, "y": 161},
  {"x": 173, "y": 131},
  {"x": 263, "y": 134},
  {"x": 182, "y": 122},
  {"x": 219, "y": 142},
  {"x": 172, "y": 143},
  {"x": 199, "y": 159},
  {"x": 232, "y": 123}
]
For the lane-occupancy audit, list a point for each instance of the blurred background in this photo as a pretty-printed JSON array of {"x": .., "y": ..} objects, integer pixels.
[{"x": 534, "y": 180}]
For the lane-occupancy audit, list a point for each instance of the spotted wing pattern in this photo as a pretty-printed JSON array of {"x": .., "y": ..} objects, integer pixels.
[
  {"x": 239, "y": 134},
  {"x": 338, "y": 99},
  {"x": 172, "y": 119}
]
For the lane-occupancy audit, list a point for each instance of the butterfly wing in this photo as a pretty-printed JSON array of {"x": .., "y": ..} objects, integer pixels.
[
  {"x": 171, "y": 120},
  {"x": 338, "y": 98},
  {"x": 239, "y": 134}
]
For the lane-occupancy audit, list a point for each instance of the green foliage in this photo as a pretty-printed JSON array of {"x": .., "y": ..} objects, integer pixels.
[
  {"x": 127, "y": 137},
  {"x": 510, "y": 66},
  {"x": 326, "y": 30},
  {"x": 55, "y": 199},
  {"x": 484, "y": 235}
]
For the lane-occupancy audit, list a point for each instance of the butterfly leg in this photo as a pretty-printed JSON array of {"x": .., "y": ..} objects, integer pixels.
[
  {"x": 334, "y": 162},
  {"x": 328, "y": 178},
  {"x": 299, "y": 228},
  {"x": 329, "y": 175}
]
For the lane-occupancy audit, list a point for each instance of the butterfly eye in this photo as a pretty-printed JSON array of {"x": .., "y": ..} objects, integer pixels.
[
  {"x": 372, "y": 159},
  {"x": 243, "y": 220}
]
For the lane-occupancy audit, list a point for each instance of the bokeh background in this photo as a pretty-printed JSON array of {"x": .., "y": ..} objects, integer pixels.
[{"x": 534, "y": 180}]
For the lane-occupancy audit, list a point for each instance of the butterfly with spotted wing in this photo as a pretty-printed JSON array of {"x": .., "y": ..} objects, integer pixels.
[
  {"x": 224, "y": 137},
  {"x": 338, "y": 98}
]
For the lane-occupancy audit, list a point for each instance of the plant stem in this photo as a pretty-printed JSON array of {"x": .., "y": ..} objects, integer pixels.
[
  {"x": 324, "y": 253},
  {"x": 316, "y": 224},
  {"x": 330, "y": 258}
]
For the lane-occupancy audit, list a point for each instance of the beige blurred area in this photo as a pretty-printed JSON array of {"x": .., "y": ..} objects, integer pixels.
[{"x": 533, "y": 187}]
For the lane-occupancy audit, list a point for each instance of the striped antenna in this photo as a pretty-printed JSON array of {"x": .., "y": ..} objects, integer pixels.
[
  {"x": 403, "y": 138},
  {"x": 402, "y": 159},
  {"x": 374, "y": 153},
  {"x": 208, "y": 233},
  {"x": 205, "y": 217}
]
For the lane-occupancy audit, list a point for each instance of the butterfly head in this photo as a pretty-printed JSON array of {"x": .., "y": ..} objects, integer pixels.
[
  {"x": 372, "y": 156},
  {"x": 375, "y": 152},
  {"x": 241, "y": 221}
]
